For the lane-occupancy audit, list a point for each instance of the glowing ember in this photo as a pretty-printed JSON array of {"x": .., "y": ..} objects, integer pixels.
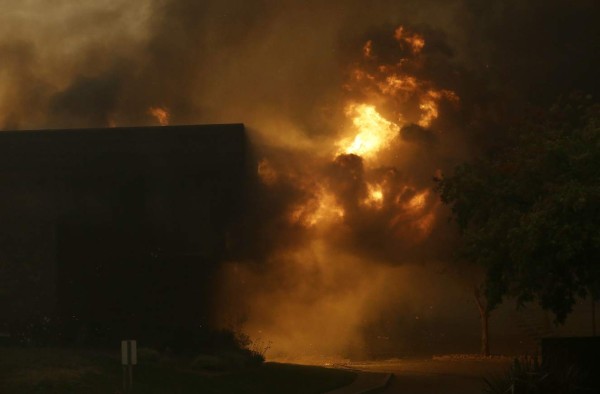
[
  {"x": 161, "y": 114},
  {"x": 374, "y": 131}
]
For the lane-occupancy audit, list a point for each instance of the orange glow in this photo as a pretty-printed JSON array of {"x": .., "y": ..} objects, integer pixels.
[
  {"x": 367, "y": 49},
  {"x": 415, "y": 41},
  {"x": 429, "y": 109},
  {"x": 322, "y": 208},
  {"x": 415, "y": 218},
  {"x": 425, "y": 224},
  {"x": 374, "y": 132},
  {"x": 396, "y": 83},
  {"x": 266, "y": 172},
  {"x": 417, "y": 203},
  {"x": 374, "y": 196},
  {"x": 161, "y": 114},
  {"x": 339, "y": 201},
  {"x": 398, "y": 33},
  {"x": 429, "y": 105}
]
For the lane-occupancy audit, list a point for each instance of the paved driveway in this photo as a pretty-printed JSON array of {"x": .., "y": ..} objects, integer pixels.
[{"x": 437, "y": 376}]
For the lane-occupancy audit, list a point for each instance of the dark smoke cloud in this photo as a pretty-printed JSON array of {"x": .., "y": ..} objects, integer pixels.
[
  {"x": 88, "y": 101},
  {"x": 522, "y": 54},
  {"x": 537, "y": 49},
  {"x": 24, "y": 92},
  {"x": 418, "y": 134},
  {"x": 220, "y": 60}
]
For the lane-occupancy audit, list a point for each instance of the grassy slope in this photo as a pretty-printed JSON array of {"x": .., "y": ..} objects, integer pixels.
[{"x": 42, "y": 371}]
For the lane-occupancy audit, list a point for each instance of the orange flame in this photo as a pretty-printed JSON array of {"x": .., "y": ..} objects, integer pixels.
[
  {"x": 417, "y": 203},
  {"x": 414, "y": 41},
  {"x": 368, "y": 188},
  {"x": 371, "y": 133},
  {"x": 374, "y": 196},
  {"x": 374, "y": 132},
  {"x": 367, "y": 49},
  {"x": 429, "y": 105},
  {"x": 161, "y": 114},
  {"x": 322, "y": 208},
  {"x": 396, "y": 83}
]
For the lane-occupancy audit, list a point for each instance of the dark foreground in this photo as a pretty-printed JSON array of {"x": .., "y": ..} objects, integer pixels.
[
  {"x": 446, "y": 376},
  {"x": 41, "y": 371}
]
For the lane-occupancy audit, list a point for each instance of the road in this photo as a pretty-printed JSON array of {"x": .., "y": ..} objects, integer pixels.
[{"x": 427, "y": 376}]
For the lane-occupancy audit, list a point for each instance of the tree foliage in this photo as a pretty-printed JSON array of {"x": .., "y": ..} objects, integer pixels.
[{"x": 530, "y": 212}]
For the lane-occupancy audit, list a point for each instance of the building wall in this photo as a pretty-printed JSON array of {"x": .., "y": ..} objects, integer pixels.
[{"x": 117, "y": 232}]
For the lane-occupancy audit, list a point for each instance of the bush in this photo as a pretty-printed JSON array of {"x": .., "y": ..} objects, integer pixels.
[
  {"x": 148, "y": 355},
  {"x": 528, "y": 376},
  {"x": 209, "y": 363},
  {"x": 226, "y": 360},
  {"x": 35, "y": 331},
  {"x": 246, "y": 353}
]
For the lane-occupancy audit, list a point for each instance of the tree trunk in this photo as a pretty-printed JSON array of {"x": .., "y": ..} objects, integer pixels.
[
  {"x": 484, "y": 317},
  {"x": 593, "y": 317},
  {"x": 485, "y": 339}
]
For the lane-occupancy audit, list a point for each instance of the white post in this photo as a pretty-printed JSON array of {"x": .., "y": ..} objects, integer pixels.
[{"x": 128, "y": 360}]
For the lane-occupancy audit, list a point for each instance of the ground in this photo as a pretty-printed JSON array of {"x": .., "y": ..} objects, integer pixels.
[
  {"x": 449, "y": 375},
  {"x": 70, "y": 371}
]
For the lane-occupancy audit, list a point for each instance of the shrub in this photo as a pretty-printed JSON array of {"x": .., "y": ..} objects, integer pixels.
[
  {"x": 148, "y": 355},
  {"x": 528, "y": 376}
]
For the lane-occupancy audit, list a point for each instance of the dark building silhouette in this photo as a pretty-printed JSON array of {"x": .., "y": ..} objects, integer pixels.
[{"x": 114, "y": 233}]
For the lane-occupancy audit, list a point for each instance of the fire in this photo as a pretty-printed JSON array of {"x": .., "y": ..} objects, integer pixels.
[
  {"x": 411, "y": 100},
  {"x": 161, "y": 114},
  {"x": 367, "y": 49},
  {"x": 415, "y": 216},
  {"x": 395, "y": 85},
  {"x": 417, "y": 203},
  {"x": 425, "y": 224},
  {"x": 364, "y": 198},
  {"x": 429, "y": 105},
  {"x": 374, "y": 196},
  {"x": 374, "y": 132},
  {"x": 322, "y": 208},
  {"x": 395, "y": 82},
  {"x": 414, "y": 41}
]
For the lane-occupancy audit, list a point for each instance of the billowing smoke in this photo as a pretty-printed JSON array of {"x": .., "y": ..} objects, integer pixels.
[
  {"x": 340, "y": 224},
  {"x": 346, "y": 213}
]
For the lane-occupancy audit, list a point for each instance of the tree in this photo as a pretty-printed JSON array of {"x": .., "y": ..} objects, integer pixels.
[
  {"x": 529, "y": 213},
  {"x": 472, "y": 279},
  {"x": 482, "y": 223}
]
